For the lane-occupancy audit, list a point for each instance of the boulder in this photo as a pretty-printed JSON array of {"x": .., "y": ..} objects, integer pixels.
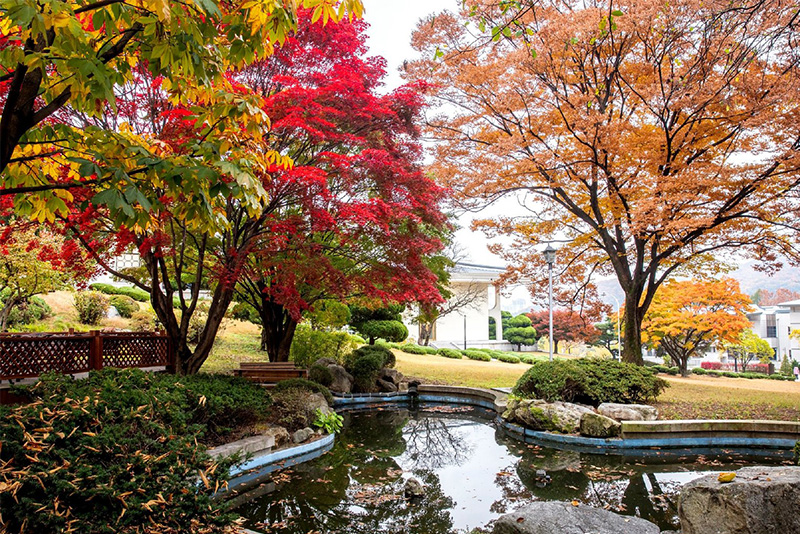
[
  {"x": 564, "y": 518},
  {"x": 759, "y": 500},
  {"x": 628, "y": 412},
  {"x": 327, "y": 362},
  {"x": 302, "y": 435},
  {"x": 342, "y": 380},
  {"x": 280, "y": 436},
  {"x": 595, "y": 425},
  {"x": 384, "y": 386},
  {"x": 391, "y": 375},
  {"x": 314, "y": 402},
  {"x": 540, "y": 415},
  {"x": 413, "y": 488}
]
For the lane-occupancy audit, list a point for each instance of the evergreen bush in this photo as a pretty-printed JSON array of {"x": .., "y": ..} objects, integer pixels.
[
  {"x": 479, "y": 355},
  {"x": 450, "y": 353},
  {"x": 125, "y": 306},
  {"x": 92, "y": 306}
]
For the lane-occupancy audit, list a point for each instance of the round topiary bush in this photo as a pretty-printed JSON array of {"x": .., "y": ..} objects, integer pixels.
[
  {"x": 479, "y": 355},
  {"x": 125, "y": 305},
  {"x": 387, "y": 356},
  {"x": 507, "y": 358},
  {"x": 450, "y": 353},
  {"x": 559, "y": 380},
  {"x": 302, "y": 383},
  {"x": 589, "y": 381},
  {"x": 365, "y": 372},
  {"x": 92, "y": 306}
]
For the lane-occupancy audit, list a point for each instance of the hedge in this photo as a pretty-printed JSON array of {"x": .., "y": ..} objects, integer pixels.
[{"x": 133, "y": 292}]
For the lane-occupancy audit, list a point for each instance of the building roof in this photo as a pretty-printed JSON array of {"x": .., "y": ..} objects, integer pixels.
[
  {"x": 790, "y": 303},
  {"x": 472, "y": 272}
]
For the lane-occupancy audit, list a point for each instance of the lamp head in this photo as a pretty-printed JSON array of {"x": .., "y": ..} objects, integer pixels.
[{"x": 550, "y": 254}]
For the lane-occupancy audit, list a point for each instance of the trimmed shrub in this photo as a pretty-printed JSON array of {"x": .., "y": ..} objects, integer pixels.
[
  {"x": 302, "y": 383},
  {"x": 28, "y": 311},
  {"x": 143, "y": 322},
  {"x": 699, "y": 371},
  {"x": 665, "y": 369},
  {"x": 503, "y": 357},
  {"x": 614, "y": 381},
  {"x": 450, "y": 353},
  {"x": 589, "y": 381},
  {"x": 415, "y": 349},
  {"x": 365, "y": 369},
  {"x": 242, "y": 311},
  {"x": 559, "y": 380},
  {"x": 116, "y": 451},
  {"x": 387, "y": 356},
  {"x": 479, "y": 355},
  {"x": 310, "y": 345},
  {"x": 133, "y": 292},
  {"x": 711, "y": 365},
  {"x": 91, "y": 305},
  {"x": 530, "y": 360},
  {"x": 321, "y": 375},
  {"x": 125, "y": 306}
]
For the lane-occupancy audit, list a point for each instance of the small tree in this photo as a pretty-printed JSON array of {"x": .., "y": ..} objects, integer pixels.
[
  {"x": 29, "y": 265},
  {"x": 786, "y": 366},
  {"x": 381, "y": 323},
  {"x": 748, "y": 348},
  {"x": 520, "y": 332},
  {"x": 688, "y": 317}
]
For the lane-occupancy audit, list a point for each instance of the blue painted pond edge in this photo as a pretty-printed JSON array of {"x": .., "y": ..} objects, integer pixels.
[{"x": 260, "y": 465}]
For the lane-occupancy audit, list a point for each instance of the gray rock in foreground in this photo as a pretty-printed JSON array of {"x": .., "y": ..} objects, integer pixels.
[
  {"x": 760, "y": 500},
  {"x": 564, "y": 518}
]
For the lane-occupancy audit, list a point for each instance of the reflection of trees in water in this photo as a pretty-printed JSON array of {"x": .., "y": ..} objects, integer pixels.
[
  {"x": 355, "y": 488},
  {"x": 433, "y": 442}
]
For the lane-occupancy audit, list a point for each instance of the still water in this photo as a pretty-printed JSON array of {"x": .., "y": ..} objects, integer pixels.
[{"x": 472, "y": 472}]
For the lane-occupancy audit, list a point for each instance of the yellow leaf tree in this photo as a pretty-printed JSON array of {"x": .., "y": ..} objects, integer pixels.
[{"x": 688, "y": 317}]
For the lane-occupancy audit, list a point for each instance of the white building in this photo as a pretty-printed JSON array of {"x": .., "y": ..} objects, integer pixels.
[
  {"x": 773, "y": 324},
  {"x": 470, "y": 323}
]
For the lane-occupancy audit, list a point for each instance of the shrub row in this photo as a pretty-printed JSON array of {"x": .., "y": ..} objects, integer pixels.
[
  {"x": 731, "y": 374},
  {"x": 479, "y": 355},
  {"x": 133, "y": 292},
  {"x": 589, "y": 381},
  {"x": 450, "y": 353},
  {"x": 665, "y": 369}
]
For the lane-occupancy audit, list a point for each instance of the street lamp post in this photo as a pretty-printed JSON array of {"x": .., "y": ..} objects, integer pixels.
[{"x": 550, "y": 258}]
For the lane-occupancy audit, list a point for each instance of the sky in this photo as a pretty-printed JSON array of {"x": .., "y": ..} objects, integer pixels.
[{"x": 389, "y": 36}]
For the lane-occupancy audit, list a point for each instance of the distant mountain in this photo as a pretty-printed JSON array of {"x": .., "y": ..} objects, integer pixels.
[{"x": 751, "y": 280}]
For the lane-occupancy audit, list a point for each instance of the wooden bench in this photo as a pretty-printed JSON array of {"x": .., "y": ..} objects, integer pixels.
[{"x": 269, "y": 372}]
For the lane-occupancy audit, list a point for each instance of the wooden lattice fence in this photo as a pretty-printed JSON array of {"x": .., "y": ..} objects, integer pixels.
[{"x": 28, "y": 355}]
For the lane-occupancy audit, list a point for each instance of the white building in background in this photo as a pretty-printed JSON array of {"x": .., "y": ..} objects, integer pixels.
[
  {"x": 470, "y": 323},
  {"x": 773, "y": 324}
]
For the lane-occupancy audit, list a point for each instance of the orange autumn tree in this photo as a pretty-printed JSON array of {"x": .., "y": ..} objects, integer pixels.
[
  {"x": 691, "y": 316},
  {"x": 647, "y": 137}
]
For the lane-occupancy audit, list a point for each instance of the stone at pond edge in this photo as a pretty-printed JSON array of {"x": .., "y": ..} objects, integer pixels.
[
  {"x": 314, "y": 402},
  {"x": 413, "y": 488},
  {"x": 760, "y": 500},
  {"x": 563, "y": 518},
  {"x": 628, "y": 412},
  {"x": 391, "y": 375},
  {"x": 302, "y": 435},
  {"x": 384, "y": 386},
  {"x": 595, "y": 425},
  {"x": 342, "y": 380},
  {"x": 279, "y": 434},
  {"x": 540, "y": 415}
]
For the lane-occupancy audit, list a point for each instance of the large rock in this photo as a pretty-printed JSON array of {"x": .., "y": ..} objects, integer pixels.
[
  {"x": 302, "y": 435},
  {"x": 540, "y": 415},
  {"x": 314, "y": 402},
  {"x": 384, "y": 386},
  {"x": 595, "y": 425},
  {"x": 628, "y": 412},
  {"x": 564, "y": 518},
  {"x": 760, "y": 500},
  {"x": 391, "y": 375},
  {"x": 413, "y": 488},
  {"x": 342, "y": 380}
]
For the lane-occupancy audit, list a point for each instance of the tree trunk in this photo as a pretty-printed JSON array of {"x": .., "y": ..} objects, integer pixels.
[
  {"x": 277, "y": 330},
  {"x": 632, "y": 339},
  {"x": 425, "y": 333},
  {"x": 5, "y": 312}
]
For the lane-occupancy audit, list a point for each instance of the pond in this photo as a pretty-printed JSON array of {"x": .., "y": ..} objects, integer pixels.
[{"x": 472, "y": 471}]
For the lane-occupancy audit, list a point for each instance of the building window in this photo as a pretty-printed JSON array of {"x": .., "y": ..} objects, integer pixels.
[{"x": 772, "y": 327}]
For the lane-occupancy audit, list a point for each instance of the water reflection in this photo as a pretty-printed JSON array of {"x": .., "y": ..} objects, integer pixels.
[{"x": 472, "y": 472}]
